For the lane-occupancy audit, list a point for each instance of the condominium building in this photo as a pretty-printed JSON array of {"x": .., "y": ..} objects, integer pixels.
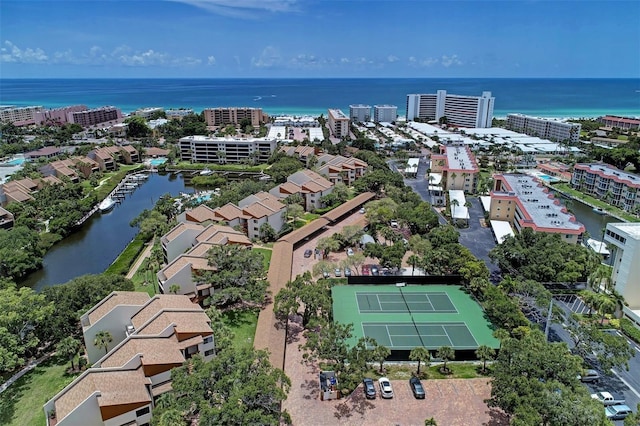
[
  {"x": 625, "y": 239},
  {"x": 178, "y": 113},
  {"x": 205, "y": 149},
  {"x": 459, "y": 110},
  {"x": 57, "y": 115},
  {"x": 150, "y": 336},
  {"x": 458, "y": 167},
  {"x": 310, "y": 185},
  {"x": 19, "y": 116},
  {"x": 224, "y": 116},
  {"x": 545, "y": 128},
  {"x": 608, "y": 183},
  {"x": 360, "y": 113},
  {"x": 339, "y": 169},
  {"x": 146, "y": 113},
  {"x": 525, "y": 202},
  {"x": 338, "y": 123},
  {"x": 96, "y": 116},
  {"x": 385, "y": 113},
  {"x": 626, "y": 123}
]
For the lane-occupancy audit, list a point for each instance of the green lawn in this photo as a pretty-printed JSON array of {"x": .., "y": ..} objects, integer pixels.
[
  {"x": 243, "y": 324},
  {"x": 566, "y": 188},
  {"x": 266, "y": 253},
  {"x": 21, "y": 404}
]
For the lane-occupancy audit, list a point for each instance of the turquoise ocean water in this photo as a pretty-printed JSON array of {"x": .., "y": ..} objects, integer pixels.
[{"x": 540, "y": 97}]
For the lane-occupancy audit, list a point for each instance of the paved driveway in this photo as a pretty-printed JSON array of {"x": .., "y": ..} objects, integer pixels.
[{"x": 477, "y": 237}]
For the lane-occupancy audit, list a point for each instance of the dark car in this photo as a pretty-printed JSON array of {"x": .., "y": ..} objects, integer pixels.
[
  {"x": 369, "y": 388},
  {"x": 308, "y": 253},
  {"x": 416, "y": 388}
]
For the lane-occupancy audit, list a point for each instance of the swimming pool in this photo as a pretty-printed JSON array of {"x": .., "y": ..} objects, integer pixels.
[
  {"x": 158, "y": 161},
  {"x": 547, "y": 177},
  {"x": 15, "y": 162},
  {"x": 203, "y": 198}
]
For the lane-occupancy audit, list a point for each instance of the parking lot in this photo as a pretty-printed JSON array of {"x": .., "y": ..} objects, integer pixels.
[
  {"x": 573, "y": 303},
  {"x": 451, "y": 402}
]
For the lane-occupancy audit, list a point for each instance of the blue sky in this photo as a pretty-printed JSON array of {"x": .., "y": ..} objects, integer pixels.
[{"x": 319, "y": 38}]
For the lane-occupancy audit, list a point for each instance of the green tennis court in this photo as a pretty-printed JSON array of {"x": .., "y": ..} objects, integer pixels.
[
  {"x": 405, "y": 317},
  {"x": 400, "y": 302},
  {"x": 430, "y": 335}
]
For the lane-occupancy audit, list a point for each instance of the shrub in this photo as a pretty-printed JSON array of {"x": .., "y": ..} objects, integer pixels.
[{"x": 630, "y": 330}]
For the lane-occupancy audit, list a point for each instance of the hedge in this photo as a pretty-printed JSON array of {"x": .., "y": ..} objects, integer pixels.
[{"x": 630, "y": 330}]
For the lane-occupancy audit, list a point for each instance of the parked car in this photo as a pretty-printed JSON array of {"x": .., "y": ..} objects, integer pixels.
[
  {"x": 362, "y": 211},
  {"x": 338, "y": 272},
  {"x": 374, "y": 270},
  {"x": 308, "y": 253},
  {"x": 326, "y": 274},
  {"x": 369, "y": 388},
  {"x": 416, "y": 388},
  {"x": 349, "y": 252},
  {"x": 394, "y": 223},
  {"x": 617, "y": 412},
  {"x": 386, "y": 391},
  {"x": 608, "y": 398},
  {"x": 589, "y": 376},
  {"x": 365, "y": 270},
  {"x": 347, "y": 272}
]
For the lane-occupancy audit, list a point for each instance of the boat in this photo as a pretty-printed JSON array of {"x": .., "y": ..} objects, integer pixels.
[
  {"x": 139, "y": 176},
  {"x": 599, "y": 247},
  {"x": 107, "y": 204},
  {"x": 598, "y": 210}
]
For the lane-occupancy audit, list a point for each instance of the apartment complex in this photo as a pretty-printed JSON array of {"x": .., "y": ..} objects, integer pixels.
[
  {"x": 178, "y": 113},
  {"x": 459, "y": 110},
  {"x": 21, "y": 190},
  {"x": 309, "y": 184},
  {"x": 224, "y": 116},
  {"x": 338, "y": 123},
  {"x": 525, "y": 202},
  {"x": 545, "y": 128},
  {"x": 96, "y": 116},
  {"x": 625, "y": 237},
  {"x": 151, "y": 335},
  {"x": 606, "y": 182},
  {"x": 337, "y": 168},
  {"x": 205, "y": 149},
  {"x": 19, "y": 116},
  {"x": 458, "y": 168},
  {"x": 360, "y": 113},
  {"x": 385, "y": 113},
  {"x": 6, "y": 219},
  {"x": 626, "y": 123},
  {"x": 57, "y": 115}
]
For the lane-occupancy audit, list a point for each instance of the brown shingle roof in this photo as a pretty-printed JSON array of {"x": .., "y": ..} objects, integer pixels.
[
  {"x": 196, "y": 263},
  {"x": 154, "y": 350},
  {"x": 185, "y": 322},
  {"x": 229, "y": 212},
  {"x": 257, "y": 210},
  {"x": 200, "y": 214},
  {"x": 114, "y": 299},
  {"x": 180, "y": 228},
  {"x": 161, "y": 302},
  {"x": 115, "y": 388}
]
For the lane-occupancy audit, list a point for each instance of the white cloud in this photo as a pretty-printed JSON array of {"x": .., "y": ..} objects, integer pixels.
[
  {"x": 12, "y": 53},
  {"x": 144, "y": 59},
  {"x": 447, "y": 61},
  {"x": 305, "y": 61},
  {"x": 429, "y": 62},
  {"x": 392, "y": 58},
  {"x": 269, "y": 57},
  {"x": 242, "y": 8},
  {"x": 211, "y": 60},
  {"x": 412, "y": 59},
  {"x": 344, "y": 60}
]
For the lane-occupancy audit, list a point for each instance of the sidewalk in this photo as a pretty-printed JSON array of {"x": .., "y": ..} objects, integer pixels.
[{"x": 136, "y": 265}]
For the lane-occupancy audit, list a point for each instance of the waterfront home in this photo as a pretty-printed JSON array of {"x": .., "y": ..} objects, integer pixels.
[
  {"x": 6, "y": 219},
  {"x": 624, "y": 239},
  {"x": 18, "y": 190},
  {"x": 205, "y": 149},
  {"x": 614, "y": 186},
  {"x": 151, "y": 335},
  {"x": 525, "y": 202},
  {"x": 262, "y": 208}
]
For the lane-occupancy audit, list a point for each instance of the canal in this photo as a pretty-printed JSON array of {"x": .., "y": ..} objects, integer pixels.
[
  {"x": 102, "y": 238},
  {"x": 584, "y": 214}
]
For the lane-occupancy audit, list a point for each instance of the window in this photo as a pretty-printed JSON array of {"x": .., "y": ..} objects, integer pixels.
[
  {"x": 207, "y": 339},
  {"x": 141, "y": 412},
  {"x": 208, "y": 353}
]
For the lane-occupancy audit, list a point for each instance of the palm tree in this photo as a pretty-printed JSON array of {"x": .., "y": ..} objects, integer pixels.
[
  {"x": 413, "y": 260},
  {"x": 102, "y": 340},
  {"x": 455, "y": 203},
  {"x": 485, "y": 353},
  {"x": 380, "y": 354},
  {"x": 606, "y": 305},
  {"x": 68, "y": 347},
  {"x": 446, "y": 353},
  {"x": 420, "y": 354},
  {"x": 174, "y": 288}
]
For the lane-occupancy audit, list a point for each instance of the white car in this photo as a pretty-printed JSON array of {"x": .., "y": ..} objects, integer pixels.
[
  {"x": 349, "y": 252},
  {"x": 386, "y": 391}
]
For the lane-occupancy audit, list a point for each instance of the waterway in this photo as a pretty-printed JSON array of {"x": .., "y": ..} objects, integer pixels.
[
  {"x": 102, "y": 238},
  {"x": 594, "y": 222}
]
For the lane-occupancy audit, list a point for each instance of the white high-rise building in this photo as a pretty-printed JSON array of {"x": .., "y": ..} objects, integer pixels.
[
  {"x": 625, "y": 240},
  {"x": 459, "y": 110},
  {"x": 385, "y": 113},
  {"x": 338, "y": 123},
  {"x": 545, "y": 128},
  {"x": 360, "y": 113}
]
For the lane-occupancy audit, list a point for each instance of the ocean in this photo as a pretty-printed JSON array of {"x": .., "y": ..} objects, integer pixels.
[{"x": 539, "y": 97}]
